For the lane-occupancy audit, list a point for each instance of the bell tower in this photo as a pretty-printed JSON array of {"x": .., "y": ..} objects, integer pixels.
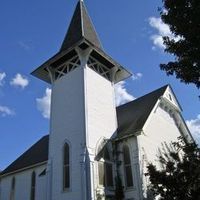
[{"x": 83, "y": 111}]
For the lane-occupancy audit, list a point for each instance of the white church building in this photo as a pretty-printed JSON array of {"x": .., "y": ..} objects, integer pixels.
[{"x": 94, "y": 150}]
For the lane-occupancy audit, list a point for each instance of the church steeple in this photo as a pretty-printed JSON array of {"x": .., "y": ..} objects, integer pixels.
[
  {"x": 80, "y": 28},
  {"x": 82, "y": 76},
  {"x": 81, "y": 39}
]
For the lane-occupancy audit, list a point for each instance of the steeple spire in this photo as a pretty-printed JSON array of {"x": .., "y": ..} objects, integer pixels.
[
  {"x": 81, "y": 39},
  {"x": 80, "y": 28}
]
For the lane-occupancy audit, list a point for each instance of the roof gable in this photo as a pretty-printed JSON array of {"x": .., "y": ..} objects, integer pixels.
[
  {"x": 171, "y": 97},
  {"x": 133, "y": 115}
]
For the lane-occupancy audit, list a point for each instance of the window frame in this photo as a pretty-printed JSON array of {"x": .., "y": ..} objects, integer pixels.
[
  {"x": 127, "y": 166},
  {"x": 106, "y": 162},
  {"x": 65, "y": 166},
  {"x": 12, "y": 190},
  {"x": 33, "y": 186}
]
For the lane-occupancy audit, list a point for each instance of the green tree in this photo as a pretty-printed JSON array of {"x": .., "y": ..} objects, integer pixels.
[
  {"x": 179, "y": 175},
  {"x": 183, "y": 18}
]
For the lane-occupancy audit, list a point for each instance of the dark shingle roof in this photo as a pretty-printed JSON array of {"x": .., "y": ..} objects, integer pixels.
[
  {"x": 133, "y": 115},
  {"x": 80, "y": 27},
  {"x": 131, "y": 118},
  {"x": 38, "y": 153}
]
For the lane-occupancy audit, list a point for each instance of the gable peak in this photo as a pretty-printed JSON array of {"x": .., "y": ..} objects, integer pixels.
[{"x": 170, "y": 96}]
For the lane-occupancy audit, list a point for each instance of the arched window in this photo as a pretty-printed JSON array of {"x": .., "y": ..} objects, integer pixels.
[
  {"x": 105, "y": 167},
  {"x": 127, "y": 167},
  {"x": 33, "y": 184},
  {"x": 66, "y": 167},
  {"x": 12, "y": 191},
  {"x": 108, "y": 166}
]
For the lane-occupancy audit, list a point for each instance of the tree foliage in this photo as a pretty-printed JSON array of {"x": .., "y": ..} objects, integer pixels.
[
  {"x": 179, "y": 175},
  {"x": 183, "y": 18}
]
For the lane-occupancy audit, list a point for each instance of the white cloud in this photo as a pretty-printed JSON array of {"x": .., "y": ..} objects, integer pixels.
[
  {"x": 137, "y": 76},
  {"x": 4, "y": 111},
  {"x": 19, "y": 81},
  {"x": 2, "y": 78},
  {"x": 157, "y": 41},
  {"x": 194, "y": 126},
  {"x": 121, "y": 94},
  {"x": 162, "y": 30},
  {"x": 43, "y": 104}
]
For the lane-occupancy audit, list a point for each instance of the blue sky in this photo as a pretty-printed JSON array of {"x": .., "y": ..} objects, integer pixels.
[{"x": 32, "y": 31}]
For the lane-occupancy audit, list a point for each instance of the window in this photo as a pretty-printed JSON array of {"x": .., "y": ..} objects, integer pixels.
[
  {"x": 43, "y": 173},
  {"x": 33, "y": 183},
  {"x": 12, "y": 192},
  {"x": 127, "y": 167},
  {"x": 170, "y": 97},
  {"x": 66, "y": 167},
  {"x": 105, "y": 168}
]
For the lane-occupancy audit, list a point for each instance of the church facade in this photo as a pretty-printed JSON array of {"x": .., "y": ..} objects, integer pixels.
[{"x": 94, "y": 151}]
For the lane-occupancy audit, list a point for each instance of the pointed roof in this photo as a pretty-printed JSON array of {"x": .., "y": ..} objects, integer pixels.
[
  {"x": 133, "y": 115},
  {"x": 81, "y": 27},
  {"x": 81, "y": 34}
]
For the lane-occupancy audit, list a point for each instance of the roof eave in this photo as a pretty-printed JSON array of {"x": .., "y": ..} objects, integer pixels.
[
  {"x": 128, "y": 135},
  {"x": 40, "y": 72},
  {"x": 22, "y": 169},
  {"x": 43, "y": 75}
]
